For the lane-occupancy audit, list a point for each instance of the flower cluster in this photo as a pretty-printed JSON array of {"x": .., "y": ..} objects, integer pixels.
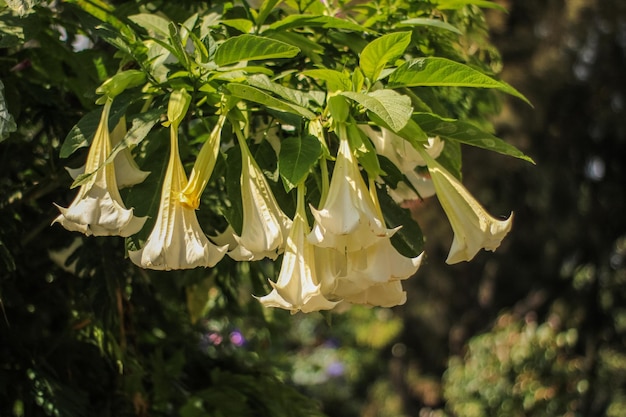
[{"x": 346, "y": 255}]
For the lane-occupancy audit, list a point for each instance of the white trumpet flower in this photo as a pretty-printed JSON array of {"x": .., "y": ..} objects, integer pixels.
[
  {"x": 176, "y": 241},
  {"x": 374, "y": 266},
  {"x": 298, "y": 287},
  {"x": 474, "y": 228},
  {"x": 388, "y": 294},
  {"x": 347, "y": 220},
  {"x": 265, "y": 226},
  {"x": 98, "y": 208}
]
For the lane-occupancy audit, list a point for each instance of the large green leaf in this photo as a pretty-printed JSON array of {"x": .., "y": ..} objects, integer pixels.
[
  {"x": 379, "y": 52},
  {"x": 308, "y": 20},
  {"x": 301, "y": 98},
  {"x": 442, "y": 72},
  {"x": 297, "y": 157},
  {"x": 466, "y": 133},
  {"x": 335, "y": 80},
  {"x": 424, "y": 21},
  {"x": 250, "y": 93},
  {"x": 393, "y": 108},
  {"x": 250, "y": 48}
]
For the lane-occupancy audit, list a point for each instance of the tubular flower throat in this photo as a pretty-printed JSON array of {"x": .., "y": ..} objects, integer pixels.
[
  {"x": 298, "y": 287},
  {"x": 176, "y": 241},
  {"x": 474, "y": 229},
  {"x": 265, "y": 226},
  {"x": 98, "y": 208}
]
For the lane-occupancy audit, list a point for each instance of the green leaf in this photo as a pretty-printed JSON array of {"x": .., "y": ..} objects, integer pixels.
[
  {"x": 7, "y": 123},
  {"x": 155, "y": 25},
  {"x": 409, "y": 240},
  {"x": 250, "y": 93},
  {"x": 379, "y": 52},
  {"x": 265, "y": 10},
  {"x": 457, "y": 4},
  {"x": 466, "y": 133},
  {"x": 435, "y": 23},
  {"x": 393, "y": 108},
  {"x": 442, "y": 72},
  {"x": 250, "y": 47},
  {"x": 308, "y": 20},
  {"x": 335, "y": 80},
  {"x": 242, "y": 25},
  {"x": 297, "y": 157},
  {"x": 301, "y": 98}
]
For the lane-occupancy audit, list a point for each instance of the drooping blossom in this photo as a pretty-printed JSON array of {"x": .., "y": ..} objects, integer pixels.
[
  {"x": 347, "y": 221},
  {"x": 98, "y": 208},
  {"x": 377, "y": 266},
  {"x": 298, "y": 287},
  {"x": 176, "y": 241},
  {"x": 265, "y": 226},
  {"x": 474, "y": 228}
]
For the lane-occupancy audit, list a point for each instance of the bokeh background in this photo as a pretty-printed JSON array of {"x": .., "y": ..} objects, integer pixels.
[{"x": 536, "y": 329}]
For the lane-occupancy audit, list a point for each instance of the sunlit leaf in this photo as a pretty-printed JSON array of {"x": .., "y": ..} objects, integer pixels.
[
  {"x": 435, "y": 23},
  {"x": 381, "y": 51},
  {"x": 7, "y": 123},
  {"x": 335, "y": 80},
  {"x": 261, "y": 97},
  {"x": 250, "y": 48},
  {"x": 442, "y": 72},
  {"x": 466, "y": 133},
  {"x": 393, "y": 108}
]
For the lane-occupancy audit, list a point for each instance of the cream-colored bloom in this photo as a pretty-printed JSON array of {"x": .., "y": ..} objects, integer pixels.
[
  {"x": 374, "y": 266},
  {"x": 127, "y": 172},
  {"x": 474, "y": 229},
  {"x": 98, "y": 208},
  {"x": 347, "y": 221},
  {"x": 298, "y": 287},
  {"x": 265, "y": 226},
  {"x": 176, "y": 241}
]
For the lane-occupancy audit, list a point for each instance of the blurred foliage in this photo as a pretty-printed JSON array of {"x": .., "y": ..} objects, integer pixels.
[{"x": 537, "y": 330}]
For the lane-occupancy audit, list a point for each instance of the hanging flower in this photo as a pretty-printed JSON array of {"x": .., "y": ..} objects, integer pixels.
[
  {"x": 98, "y": 208},
  {"x": 474, "y": 229},
  {"x": 176, "y": 241},
  {"x": 298, "y": 287},
  {"x": 374, "y": 266},
  {"x": 347, "y": 220},
  {"x": 265, "y": 226}
]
